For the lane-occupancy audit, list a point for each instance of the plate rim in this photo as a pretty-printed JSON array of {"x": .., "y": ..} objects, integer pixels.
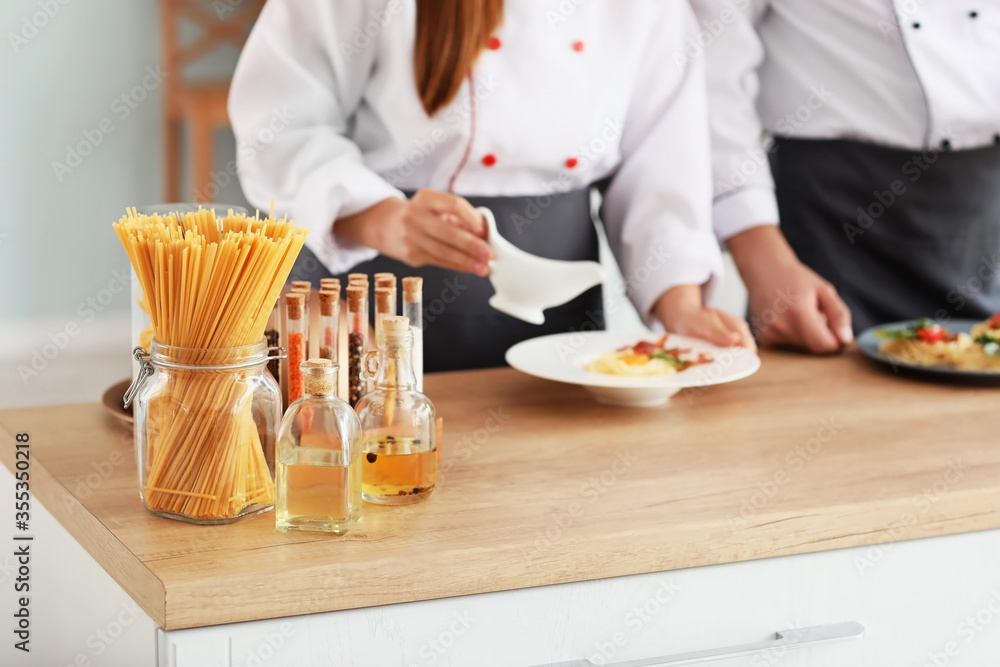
[{"x": 676, "y": 381}]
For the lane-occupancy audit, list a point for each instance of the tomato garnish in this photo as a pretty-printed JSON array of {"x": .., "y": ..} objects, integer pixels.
[
  {"x": 645, "y": 347},
  {"x": 932, "y": 334},
  {"x": 994, "y": 322}
]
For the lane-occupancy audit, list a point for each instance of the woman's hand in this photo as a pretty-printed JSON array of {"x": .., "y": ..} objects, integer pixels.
[
  {"x": 789, "y": 303},
  {"x": 681, "y": 311},
  {"x": 431, "y": 227}
]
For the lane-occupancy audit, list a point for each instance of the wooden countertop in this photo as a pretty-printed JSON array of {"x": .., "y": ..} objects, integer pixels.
[{"x": 541, "y": 485}]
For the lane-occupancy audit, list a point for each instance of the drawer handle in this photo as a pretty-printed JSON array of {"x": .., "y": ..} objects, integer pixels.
[{"x": 784, "y": 640}]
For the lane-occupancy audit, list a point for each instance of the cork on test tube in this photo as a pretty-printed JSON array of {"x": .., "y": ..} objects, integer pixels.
[
  {"x": 329, "y": 283},
  {"x": 357, "y": 278},
  {"x": 329, "y": 323},
  {"x": 413, "y": 308}
]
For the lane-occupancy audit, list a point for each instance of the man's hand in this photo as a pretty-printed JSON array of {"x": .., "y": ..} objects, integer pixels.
[
  {"x": 681, "y": 311},
  {"x": 431, "y": 227},
  {"x": 790, "y": 305}
]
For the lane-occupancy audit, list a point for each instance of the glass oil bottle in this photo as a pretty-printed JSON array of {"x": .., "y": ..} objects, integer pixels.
[
  {"x": 318, "y": 457},
  {"x": 398, "y": 424}
]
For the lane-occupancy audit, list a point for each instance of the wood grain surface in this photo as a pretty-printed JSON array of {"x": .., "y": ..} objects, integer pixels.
[{"x": 541, "y": 485}]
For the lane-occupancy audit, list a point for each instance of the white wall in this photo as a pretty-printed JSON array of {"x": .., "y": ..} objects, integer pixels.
[{"x": 57, "y": 248}]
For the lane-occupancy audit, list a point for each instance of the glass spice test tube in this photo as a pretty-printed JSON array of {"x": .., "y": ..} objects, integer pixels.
[
  {"x": 357, "y": 333},
  {"x": 295, "y": 328},
  {"x": 273, "y": 336},
  {"x": 305, "y": 287},
  {"x": 385, "y": 281},
  {"x": 385, "y": 306},
  {"x": 329, "y": 323},
  {"x": 413, "y": 308}
]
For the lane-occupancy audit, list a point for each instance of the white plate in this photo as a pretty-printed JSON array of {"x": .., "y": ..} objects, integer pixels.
[{"x": 561, "y": 357}]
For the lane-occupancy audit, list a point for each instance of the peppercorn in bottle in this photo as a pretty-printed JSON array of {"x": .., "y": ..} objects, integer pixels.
[{"x": 399, "y": 430}]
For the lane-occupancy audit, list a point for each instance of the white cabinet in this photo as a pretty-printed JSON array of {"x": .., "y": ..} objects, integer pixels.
[{"x": 925, "y": 602}]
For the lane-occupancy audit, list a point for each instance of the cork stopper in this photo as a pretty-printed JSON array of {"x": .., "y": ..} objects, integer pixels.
[
  {"x": 328, "y": 300},
  {"x": 356, "y": 297},
  {"x": 353, "y": 278},
  {"x": 384, "y": 300},
  {"x": 319, "y": 376},
  {"x": 385, "y": 280},
  {"x": 396, "y": 325},
  {"x": 412, "y": 288},
  {"x": 301, "y": 285},
  {"x": 329, "y": 283},
  {"x": 295, "y": 302}
]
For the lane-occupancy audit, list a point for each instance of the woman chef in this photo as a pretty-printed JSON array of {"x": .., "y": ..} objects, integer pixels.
[{"x": 381, "y": 124}]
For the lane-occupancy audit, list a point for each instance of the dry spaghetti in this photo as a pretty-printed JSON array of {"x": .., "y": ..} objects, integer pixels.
[{"x": 210, "y": 283}]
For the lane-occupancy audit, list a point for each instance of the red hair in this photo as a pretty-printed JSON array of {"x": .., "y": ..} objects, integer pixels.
[{"x": 450, "y": 36}]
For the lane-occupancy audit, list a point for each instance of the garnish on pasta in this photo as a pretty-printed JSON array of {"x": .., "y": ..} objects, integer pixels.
[
  {"x": 927, "y": 343},
  {"x": 647, "y": 358}
]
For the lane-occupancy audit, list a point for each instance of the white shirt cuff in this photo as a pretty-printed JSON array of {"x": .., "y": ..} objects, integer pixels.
[
  {"x": 319, "y": 211},
  {"x": 739, "y": 211}
]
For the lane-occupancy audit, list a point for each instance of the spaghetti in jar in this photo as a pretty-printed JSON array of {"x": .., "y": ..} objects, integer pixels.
[
  {"x": 205, "y": 424},
  {"x": 206, "y": 410}
]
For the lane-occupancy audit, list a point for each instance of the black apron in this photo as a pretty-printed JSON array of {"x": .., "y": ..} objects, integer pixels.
[
  {"x": 901, "y": 234},
  {"x": 461, "y": 330}
]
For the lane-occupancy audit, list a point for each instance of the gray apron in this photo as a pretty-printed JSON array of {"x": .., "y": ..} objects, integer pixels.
[
  {"x": 461, "y": 330},
  {"x": 901, "y": 234}
]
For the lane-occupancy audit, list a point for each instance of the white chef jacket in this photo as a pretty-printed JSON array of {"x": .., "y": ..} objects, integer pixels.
[
  {"x": 328, "y": 122},
  {"x": 912, "y": 74}
]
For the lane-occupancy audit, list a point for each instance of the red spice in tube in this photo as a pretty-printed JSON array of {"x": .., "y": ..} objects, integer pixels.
[{"x": 296, "y": 328}]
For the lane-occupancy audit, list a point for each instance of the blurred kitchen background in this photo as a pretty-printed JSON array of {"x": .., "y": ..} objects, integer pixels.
[{"x": 111, "y": 104}]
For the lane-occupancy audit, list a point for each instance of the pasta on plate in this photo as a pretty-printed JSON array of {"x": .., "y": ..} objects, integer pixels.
[
  {"x": 925, "y": 343},
  {"x": 646, "y": 359}
]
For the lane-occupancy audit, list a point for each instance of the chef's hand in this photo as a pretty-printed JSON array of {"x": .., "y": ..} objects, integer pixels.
[
  {"x": 790, "y": 305},
  {"x": 428, "y": 228},
  {"x": 681, "y": 311}
]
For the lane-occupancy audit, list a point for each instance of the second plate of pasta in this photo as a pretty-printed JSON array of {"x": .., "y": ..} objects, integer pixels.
[{"x": 956, "y": 356}]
